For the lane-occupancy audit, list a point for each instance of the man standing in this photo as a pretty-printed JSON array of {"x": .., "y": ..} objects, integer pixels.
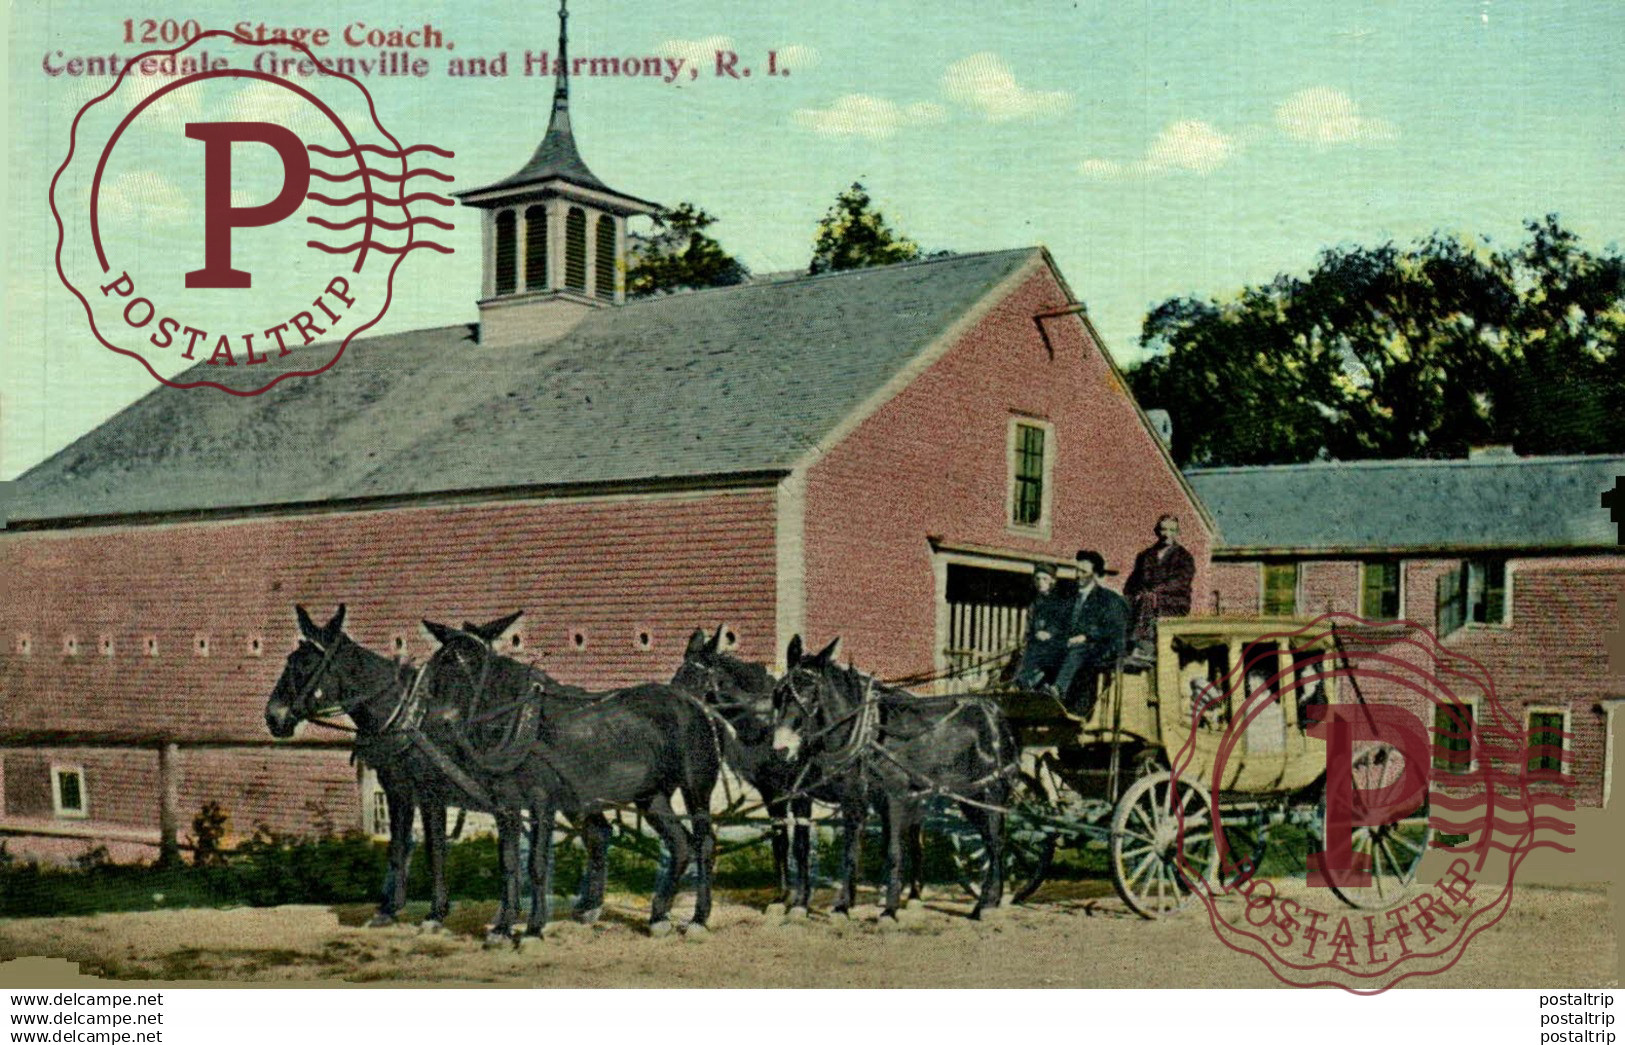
[
  {"x": 1160, "y": 586},
  {"x": 1044, "y": 645},
  {"x": 1097, "y": 620}
]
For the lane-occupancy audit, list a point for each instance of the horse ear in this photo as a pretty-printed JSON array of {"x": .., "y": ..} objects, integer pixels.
[
  {"x": 716, "y": 641},
  {"x": 827, "y": 654},
  {"x": 335, "y": 627},
  {"x": 493, "y": 630},
  {"x": 442, "y": 633},
  {"x": 307, "y": 627},
  {"x": 696, "y": 643},
  {"x": 793, "y": 655}
]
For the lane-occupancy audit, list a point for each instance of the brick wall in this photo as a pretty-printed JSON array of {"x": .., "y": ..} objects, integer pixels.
[{"x": 934, "y": 462}]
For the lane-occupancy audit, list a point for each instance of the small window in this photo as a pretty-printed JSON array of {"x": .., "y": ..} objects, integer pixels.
[
  {"x": 256, "y": 646},
  {"x": 516, "y": 641},
  {"x": 25, "y": 645},
  {"x": 578, "y": 639},
  {"x": 1548, "y": 736},
  {"x": 200, "y": 645},
  {"x": 150, "y": 646},
  {"x": 575, "y": 249},
  {"x": 398, "y": 643},
  {"x": 1030, "y": 469},
  {"x": 507, "y": 253},
  {"x": 1454, "y": 729},
  {"x": 105, "y": 643},
  {"x": 70, "y": 645},
  {"x": 536, "y": 248},
  {"x": 1280, "y": 589},
  {"x": 604, "y": 269},
  {"x": 68, "y": 794},
  {"x": 643, "y": 640},
  {"x": 1380, "y": 590},
  {"x": 1473, "y": 593}
]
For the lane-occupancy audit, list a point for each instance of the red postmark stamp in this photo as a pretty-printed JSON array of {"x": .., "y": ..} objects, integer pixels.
[
  {"x": 1433, "y": 794},
  {"x": 231, "y": 225}
]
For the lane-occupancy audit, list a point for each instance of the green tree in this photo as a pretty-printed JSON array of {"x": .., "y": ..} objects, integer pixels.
[
  {"x": 679, "y": 255},
  {"x": 853, "y": 234},
  {"x": 1386, "y": 352}
]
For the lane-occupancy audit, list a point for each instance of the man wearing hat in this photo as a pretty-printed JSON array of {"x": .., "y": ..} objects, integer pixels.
[
  {"x": 1044, "y": 646},
  {"x": 1097, "y": 621}
]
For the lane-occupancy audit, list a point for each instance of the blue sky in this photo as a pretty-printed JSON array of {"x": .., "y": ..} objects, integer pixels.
[{"x": 1155, "y": 148}]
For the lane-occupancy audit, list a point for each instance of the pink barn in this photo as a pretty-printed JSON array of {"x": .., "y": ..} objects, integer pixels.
[{"x": 881, "y": 455}]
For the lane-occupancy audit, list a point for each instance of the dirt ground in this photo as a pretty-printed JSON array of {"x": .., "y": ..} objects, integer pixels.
[{"x": 1077, "y": 940}]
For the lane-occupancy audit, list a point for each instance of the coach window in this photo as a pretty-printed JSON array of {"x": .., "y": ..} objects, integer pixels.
[
  {"x": 68, "y": 795},
  {"x": 1032, "y": 460},
  {"x": 1279, "y": 597},
  {"x": 1547, "y": 731},
  {"x": 1454, "y": 732},
  {"x": 1381, "y": 590}
]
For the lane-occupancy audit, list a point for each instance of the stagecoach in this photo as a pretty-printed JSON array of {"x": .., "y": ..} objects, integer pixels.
[{"x": 1213, "y": 733}]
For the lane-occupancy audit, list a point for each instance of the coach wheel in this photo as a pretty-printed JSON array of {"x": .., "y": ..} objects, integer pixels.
[
  {"x": 1162, "y": 844},
  {"x": 1395, "y": 849}
]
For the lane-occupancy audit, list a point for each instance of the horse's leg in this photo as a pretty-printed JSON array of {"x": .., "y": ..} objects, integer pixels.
[
  {"x": 852, "y": 815},
  {"x": 658, "y": 811},
  {"x": 991, "y": 825},
  {"x": 777, "y": 810},
  {"x": 541, "y": 864},
  {"x": 434, "y": 840},
  {"x": 508, "y": 828},
  {"x": 595, "y": 831},
  {"x": 402, "y": 811},
  {"x": 914, "y": 838},
  {"x": 893, "y": 824},
  {"x": 801, "y": 853},
  {"x": 698, "y": 802}
]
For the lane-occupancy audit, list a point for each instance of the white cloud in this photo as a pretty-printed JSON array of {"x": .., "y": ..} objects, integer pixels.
[
  {"x": 697, "y": 54},
  {"x": 1327, "y": 116},
  {"x": 863, "y": 115},
  {"x": 797, "y": 57},
  {"x": 145, "y": 196},
  {"x": 1192, "y": 146},
  {"x": 984, "y": 82}
]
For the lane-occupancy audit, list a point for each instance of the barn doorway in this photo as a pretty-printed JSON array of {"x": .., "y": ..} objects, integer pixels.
[{"x": 986, "y": 616}]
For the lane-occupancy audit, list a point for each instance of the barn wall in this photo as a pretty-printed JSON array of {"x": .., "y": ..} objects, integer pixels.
[
  {"x": 606, "y": 568},
  {"x": 933, "y": 462}
]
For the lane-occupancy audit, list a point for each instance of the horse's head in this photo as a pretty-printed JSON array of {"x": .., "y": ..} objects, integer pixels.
[
  {"x": 721, "y": 680},
  {"x": 308, "y": 687},
  {"x": 803, "y": 699},
  {"x": 461, "y": 667}
]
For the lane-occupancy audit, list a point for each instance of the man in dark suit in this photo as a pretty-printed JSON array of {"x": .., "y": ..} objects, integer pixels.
[
  {"x": 1160, "y": 586},
  {"x": 1097, "y": 622},
  {"x": 1044, "y": 646}
]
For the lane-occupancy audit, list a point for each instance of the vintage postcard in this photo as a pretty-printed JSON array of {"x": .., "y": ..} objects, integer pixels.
[{"x": 857, "y": 495}]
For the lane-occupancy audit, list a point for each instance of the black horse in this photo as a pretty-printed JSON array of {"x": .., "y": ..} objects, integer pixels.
[
  {"x": 860, "y": 743},
  {"x": 535, "y": 744},
  {"x": 329, "y": 674}
]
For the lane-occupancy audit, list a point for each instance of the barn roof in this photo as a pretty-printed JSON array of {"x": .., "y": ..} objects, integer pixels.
[
  {"x": 1483, "y": 502},
  {"x": 716, "y": 382}
]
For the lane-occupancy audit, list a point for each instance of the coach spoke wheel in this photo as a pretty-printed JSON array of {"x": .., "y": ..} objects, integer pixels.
[
  {"x": 1394, "y": 849},
  {"x": 1030, "y": 841},
  {"x": 1161, "y": 844}
]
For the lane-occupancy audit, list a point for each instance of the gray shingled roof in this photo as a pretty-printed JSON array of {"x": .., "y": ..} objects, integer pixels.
[
  {"x": 1484, "y": 502},
  {"x": 731, "y": 380}
]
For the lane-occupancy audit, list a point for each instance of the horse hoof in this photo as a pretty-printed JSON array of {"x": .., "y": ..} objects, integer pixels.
[
  {"x": 660, "y": 929},
  {"x": 694, "y": 932},
  {"x": 431, "y": 928},
  {"x": 775, "y": 910},
  {"x": 589, "y": 917},
  {"x": 380, "y": 921}
]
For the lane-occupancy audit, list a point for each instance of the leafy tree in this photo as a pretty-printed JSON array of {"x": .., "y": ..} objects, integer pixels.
[
  {"x": 853, "y": 234},
  {"x": 1388, "y": 352},
  {"x": 678, "y": 255}
]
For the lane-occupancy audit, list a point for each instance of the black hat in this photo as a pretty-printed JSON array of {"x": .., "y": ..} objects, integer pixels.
[{"x": 1091, "y": 556}]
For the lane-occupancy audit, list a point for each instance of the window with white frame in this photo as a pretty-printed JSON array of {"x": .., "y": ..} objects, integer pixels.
[
  {"x": 1032, "y": 463},
  {"x": 1382, "y": 589},
  {"x": 1473, "y": 593},
  {"x": 1547, "y": 729},
  {"x": 69, "y": 798},
  {"x": 1279, "y": 593},
  {"x": 1455, "y": 730}
]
